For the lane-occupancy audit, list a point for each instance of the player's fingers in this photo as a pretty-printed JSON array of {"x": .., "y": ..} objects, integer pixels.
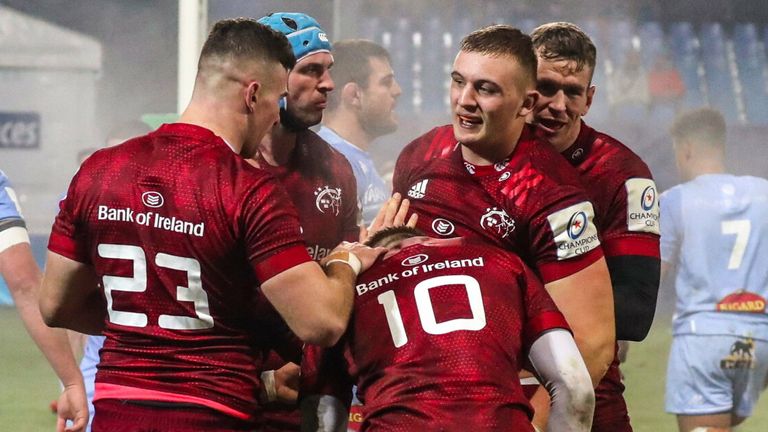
[
  {"x": 402, "y": 212},
  {"x": 61, "y": 422},
  {"x": 378, "y": 220},
  {"x": 412, "y": 220},
  {"x": 392, "y": 206}
]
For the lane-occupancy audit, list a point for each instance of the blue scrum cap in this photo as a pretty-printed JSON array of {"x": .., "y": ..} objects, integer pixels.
[{"x": 303, "y": 32}]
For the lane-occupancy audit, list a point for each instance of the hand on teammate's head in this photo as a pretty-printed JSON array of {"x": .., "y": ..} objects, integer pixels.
[{"x": 393, "y": 213}]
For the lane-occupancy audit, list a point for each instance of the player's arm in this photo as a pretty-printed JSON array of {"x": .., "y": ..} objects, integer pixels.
[
  {"x": 18, "y": 268},
  {"x": 70, "y": 296},
  {"x": 635, "y": 281},
  {"x": 317, "y": 305},
  {"x": 586, "y": 300},
  {"x": 563, "y": 373}
]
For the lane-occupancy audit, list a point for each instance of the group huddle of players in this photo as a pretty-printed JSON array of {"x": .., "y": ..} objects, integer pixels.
[{"x": 193, "y": 250}]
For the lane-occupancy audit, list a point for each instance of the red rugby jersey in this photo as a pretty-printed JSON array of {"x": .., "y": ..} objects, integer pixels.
[
  {"x": 532, "y": 203},
  {"x": 180, "y": 230},
  {"x": 438, "y": 335},
  {"x": 321, "y": 184}
]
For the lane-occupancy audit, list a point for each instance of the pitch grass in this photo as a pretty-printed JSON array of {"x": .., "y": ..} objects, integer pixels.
[{"x": 27, "y": 384}]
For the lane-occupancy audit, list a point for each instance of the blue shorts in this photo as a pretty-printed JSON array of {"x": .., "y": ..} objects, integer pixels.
[{"x": 710, "y": 374}]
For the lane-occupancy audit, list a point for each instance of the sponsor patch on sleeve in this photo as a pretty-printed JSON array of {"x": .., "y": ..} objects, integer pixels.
[
  {"x": 642, "y": 206},
  {"x": 574, "y": 230}
]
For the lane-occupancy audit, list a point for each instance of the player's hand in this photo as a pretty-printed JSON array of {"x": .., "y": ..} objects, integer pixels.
[
  {"x": 392, "y": 213},
  {"x": 73, "y": 406},
  {"x": 366, "y": 255},
  {"x": 287, "y": 383}
]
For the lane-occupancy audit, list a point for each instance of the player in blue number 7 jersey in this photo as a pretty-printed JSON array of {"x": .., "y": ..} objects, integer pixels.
[{"x": 714, "y": 236}]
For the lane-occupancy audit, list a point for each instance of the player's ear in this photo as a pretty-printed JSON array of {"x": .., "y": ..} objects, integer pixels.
[
  {"x": 531, "y": 97},
  {"x": 252, "y": 95},
  {"x": 350, "y": 94},
  {"x": 590, "y": 96}
]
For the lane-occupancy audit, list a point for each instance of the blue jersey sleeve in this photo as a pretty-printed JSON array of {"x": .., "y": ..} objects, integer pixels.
[{"x": 670, "y": 218}]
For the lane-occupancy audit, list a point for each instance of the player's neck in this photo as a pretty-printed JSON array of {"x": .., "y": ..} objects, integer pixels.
[
  {"x": 277, "y": 145},
  {"x": 347, "y": 126},
  {"x": 489, "y": 153},
  {"x": 705, "y": 167},
  {"x": 223, "y": 126}
]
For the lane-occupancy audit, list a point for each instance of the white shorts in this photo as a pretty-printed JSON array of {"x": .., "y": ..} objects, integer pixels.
[{"x": 710, "y": 374}]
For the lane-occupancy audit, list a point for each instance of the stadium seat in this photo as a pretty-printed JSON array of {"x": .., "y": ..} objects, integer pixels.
[{"x": 720, "y": 83}]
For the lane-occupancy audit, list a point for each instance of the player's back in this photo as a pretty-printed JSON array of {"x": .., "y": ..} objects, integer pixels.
[
  {"x": 170, "y": 235},
  {"x": 722, "y": 238},
  {"x": 439, "y": 332}
]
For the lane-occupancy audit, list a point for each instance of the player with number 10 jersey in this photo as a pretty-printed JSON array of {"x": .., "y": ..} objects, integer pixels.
[{"x": 439, "y": 333}]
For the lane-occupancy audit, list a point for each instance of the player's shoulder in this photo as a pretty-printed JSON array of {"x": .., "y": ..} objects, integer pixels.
[
  {"x": 4, "y": 181},
  {"x": 436, "y": 143},
  {"x": 494, "y": 258},
  {"x": 535, "y": 154},
  {"x": 616, "y": 158}
]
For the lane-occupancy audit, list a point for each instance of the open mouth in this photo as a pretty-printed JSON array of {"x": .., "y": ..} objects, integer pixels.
[
  {"x": 550, "y": 125},
  {"x": 469, "y": 122}
]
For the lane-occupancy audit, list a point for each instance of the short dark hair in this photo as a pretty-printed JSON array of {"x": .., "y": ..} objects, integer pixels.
[
  {"x": 245, "y": 39},
  {"x": 702, "y": 126},
  {"x": 351, "y": 63},
  {"x": 565, "y": 41},
  {"x": 503, "y": 40},
  {"x": 392, "y": 234}
]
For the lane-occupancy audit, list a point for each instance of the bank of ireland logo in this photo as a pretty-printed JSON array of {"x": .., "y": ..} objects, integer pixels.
[
  {"x": 497, "y": 221},
  {"x": 648, "y": 198},
  {"x": 152, "y": 199},
  {"x": 577, "y": 225},
  {"x": 443, "y": 227},
  {"x": 328, "y": 200},
  {"x": 415, "y": 260}
]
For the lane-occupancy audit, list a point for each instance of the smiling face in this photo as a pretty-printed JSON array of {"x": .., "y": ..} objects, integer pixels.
[
  {"x": 565, "y": 95},
  {"x": 490, "y": 98},
  {"x": 308, "y": 85}
]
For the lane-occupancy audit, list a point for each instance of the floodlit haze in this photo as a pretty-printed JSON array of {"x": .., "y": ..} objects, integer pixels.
[{"x": 123, "y": 64}]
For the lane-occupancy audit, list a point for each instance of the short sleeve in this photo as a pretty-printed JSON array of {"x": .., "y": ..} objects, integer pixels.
[
  {"x": 66, "y": 238},
  {"x": 670, "y": 223},
  {"x": 271, "y": 229},
  {"x": 540, "y": 310}
]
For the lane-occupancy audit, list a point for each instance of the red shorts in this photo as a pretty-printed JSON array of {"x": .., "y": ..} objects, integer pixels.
[
  {"x": 610, "y": 408},
  {"x": 113, "y": 415}
]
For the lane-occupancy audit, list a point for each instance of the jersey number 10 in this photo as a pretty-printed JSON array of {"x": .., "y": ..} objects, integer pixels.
[{"x": 427, "y": 313}]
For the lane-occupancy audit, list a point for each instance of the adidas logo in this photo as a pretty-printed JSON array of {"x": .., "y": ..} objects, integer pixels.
[{"x": 418, "y": 190}]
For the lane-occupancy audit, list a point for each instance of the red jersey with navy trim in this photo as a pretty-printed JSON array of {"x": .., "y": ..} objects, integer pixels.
[
  {"x": 322, "y": 186},
  {"x": 532, "y": 203},
  {"x": 180, "y": 231},
  {"x": 438, "y": 335},
  {"x": 622, "y": 189}
]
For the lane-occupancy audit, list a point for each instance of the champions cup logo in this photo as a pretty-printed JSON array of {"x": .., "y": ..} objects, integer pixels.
[
  {"x": 328, "y": 200},
  {"x": 414, "y": 260},
  {"x": 152, "y": 199},
  {"x": 577, "y": 225},
  {"x": 497, "y": 221},
  {"x": 648, "y": 199}
]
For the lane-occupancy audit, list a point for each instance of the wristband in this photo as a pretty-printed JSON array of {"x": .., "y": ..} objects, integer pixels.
[
  {"x": 347, "y": 258},
  {"x": 268, "y": 382}
]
